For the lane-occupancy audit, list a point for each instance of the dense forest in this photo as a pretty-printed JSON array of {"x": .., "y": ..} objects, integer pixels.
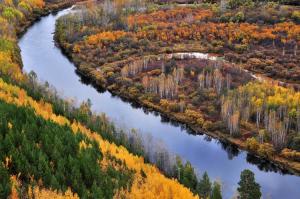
[
  {"x": 145, "y": 51},
  {"x": 219, "y": 66}
]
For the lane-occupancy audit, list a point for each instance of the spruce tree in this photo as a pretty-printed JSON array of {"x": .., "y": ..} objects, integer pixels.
[
  {"x": 189, "y": 178},
  {"x": 216, "y": 191},
  {"x": 248, "y": 188},
  {"x": 5, "y": 184},
  {"x": 204, "y": 186}
]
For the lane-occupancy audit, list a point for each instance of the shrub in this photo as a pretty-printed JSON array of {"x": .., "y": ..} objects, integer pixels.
[
  {"x": 193, "y": 114},
  {"x": 240, "y": 48},
  {"x": 266, "y": 150},
  {"x": 200, "y": 121},
  {"x": 291, "y": 154},
  {"x": 237, "y": 3},
  {"x": 164, "y": 103},
  {"x": 207, "y": 125},
  {"x": 196, "y": 101},
  {"x": 133, "y": 91},
  {"x": 239, "y": 17},
  {"x": 12, "y": 14},
  {"x": 252, "y": 144},
  {"x": 296, "y": 16},
  {"x": 174, "y": 107}
]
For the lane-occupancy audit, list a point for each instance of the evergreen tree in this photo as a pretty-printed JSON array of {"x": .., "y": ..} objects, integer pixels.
[
  {"x": 5, "y": 184},
  {"x": 204, "y": 186},
  {"x": 189, "y": 178},
  {"x": 185, "y": 174},
  {"x": 216, "y": 191},
  {"x": 248, "y": 188}
]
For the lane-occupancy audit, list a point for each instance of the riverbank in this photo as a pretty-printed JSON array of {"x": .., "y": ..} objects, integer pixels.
[
  {"x": 125, "y": 62},
  {"x": 36, "y": 16},
  {"x": 49, "y": 8},
  {"x": 283, "y": 163}
]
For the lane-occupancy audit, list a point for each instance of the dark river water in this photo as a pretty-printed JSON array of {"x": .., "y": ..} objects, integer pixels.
[{"x": 222, "y": 162}]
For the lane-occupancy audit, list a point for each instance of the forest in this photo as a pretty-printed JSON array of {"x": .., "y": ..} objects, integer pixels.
[
  {"x": 143, "y": 51},
  {"x": 222, "y": 67},
  {"x": 44, "y": 154}
]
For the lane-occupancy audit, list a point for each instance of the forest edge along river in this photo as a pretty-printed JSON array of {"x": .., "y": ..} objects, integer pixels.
[{"x": 222, "y": 161}]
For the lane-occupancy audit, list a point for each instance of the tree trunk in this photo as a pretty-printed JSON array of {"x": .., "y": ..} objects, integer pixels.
[{"x": 257, "y": 118}]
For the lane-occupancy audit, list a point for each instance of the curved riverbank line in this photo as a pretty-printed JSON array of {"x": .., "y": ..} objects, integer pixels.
[{"x": 41, "y": 56}]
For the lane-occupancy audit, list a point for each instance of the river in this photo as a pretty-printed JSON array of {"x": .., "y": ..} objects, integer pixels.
[{"x": 221, "y": 161}]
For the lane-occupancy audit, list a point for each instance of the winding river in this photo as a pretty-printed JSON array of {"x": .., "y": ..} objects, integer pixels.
[{"x": 221, "y": 161}]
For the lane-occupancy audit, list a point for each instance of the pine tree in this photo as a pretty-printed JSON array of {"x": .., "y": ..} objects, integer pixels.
[
  {"x": 204, "y": 186},
  {"x": 248, "y": 188},
  {"x": 189, "y": 178},
  {"x": 216, "y": 191},
  {"x": 5, "y": 184}
]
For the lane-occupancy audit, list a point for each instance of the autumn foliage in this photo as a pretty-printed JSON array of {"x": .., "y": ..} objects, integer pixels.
[
  {"x": 245, "y": 90},
  {"x": 105, "y": 36},
  {"x": 154, "y": 182}
]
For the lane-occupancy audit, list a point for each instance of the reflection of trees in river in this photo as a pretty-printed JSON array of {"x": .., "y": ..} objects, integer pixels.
[
  {"x": 232, "y": 150},
  {"x": 265, "y": 165}
]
